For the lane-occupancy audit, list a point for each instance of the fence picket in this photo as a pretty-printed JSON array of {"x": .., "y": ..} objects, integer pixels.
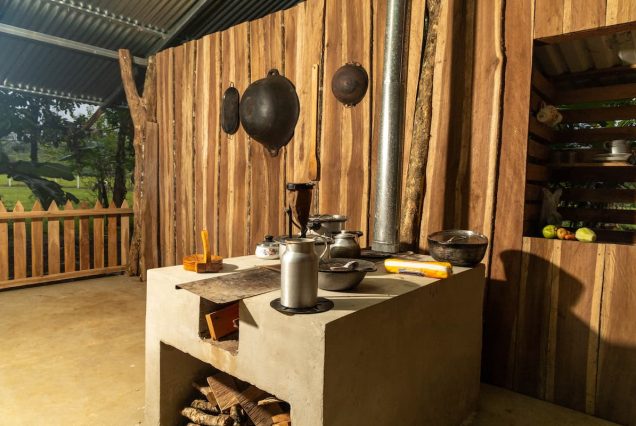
[
  {"x": 112, "y": 236},
  {"x": 19, "y": 244},
  {"x": 69, "y": 240},
  {"x": 53, "y": 235},
  {"x": 125, "y": 234},
  {"x": 84, "y": 240},
  {"x": 37, "y": 246},
  {"x": 4, "y": 242},
  {"x": 98, "y": 239}
]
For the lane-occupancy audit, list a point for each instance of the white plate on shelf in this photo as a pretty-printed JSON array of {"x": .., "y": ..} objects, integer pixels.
[{"x": 611, "y": 157}]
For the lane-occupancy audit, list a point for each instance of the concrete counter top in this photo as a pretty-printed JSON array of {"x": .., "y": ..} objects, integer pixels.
[{"x": 400, "y": 335}]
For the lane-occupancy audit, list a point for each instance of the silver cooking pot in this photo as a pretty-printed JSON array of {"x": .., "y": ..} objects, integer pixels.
[
  {"x": 327, "y": 224},
  {"x": 319, "y": 244}
]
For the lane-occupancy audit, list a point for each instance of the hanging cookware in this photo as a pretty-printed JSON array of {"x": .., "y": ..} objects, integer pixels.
[
  {"x": 269, "y": 111},
  {"x": 349, "y": 84},
  {"x": 230, "y": 110}
]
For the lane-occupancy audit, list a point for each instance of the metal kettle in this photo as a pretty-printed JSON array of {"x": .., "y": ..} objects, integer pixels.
[{"x": 345, "y": 244}]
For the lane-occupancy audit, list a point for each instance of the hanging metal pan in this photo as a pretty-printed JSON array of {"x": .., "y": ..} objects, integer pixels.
[{"x": 230, "y": 110}]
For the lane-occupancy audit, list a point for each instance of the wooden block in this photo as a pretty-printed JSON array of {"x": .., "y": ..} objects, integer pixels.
[
  {"x": 223, "y": 322},
  {"x": 281, "y": 418},
  {"x": 260, "y": 415},
  {"x": 224, "y": 389}
]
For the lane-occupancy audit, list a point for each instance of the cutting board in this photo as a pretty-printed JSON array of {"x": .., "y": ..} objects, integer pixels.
[{"x": 236, "y": 286}]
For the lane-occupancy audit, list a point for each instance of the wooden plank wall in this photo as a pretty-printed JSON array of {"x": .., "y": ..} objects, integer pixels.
[
  {"x": 229, "y": 184},
  {"x": 554, "y": 328}
]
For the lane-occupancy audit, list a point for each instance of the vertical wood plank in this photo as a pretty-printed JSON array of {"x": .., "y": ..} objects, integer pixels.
[
  {"x": 53, "y": 236},
  {"x": 346, "y": 135},
  {"x": 214, "y": 148},
  {"x": 19, "y": 245},
  {"x": 84, "y": 240},
  {"x": 620, "y": 11},
  {"x": 125, "y": 235},
  {"x": 202, "y": 136},
  {"x": 548, "y": 18},
  {"x": 150, "y": 201},
  {"x": 185, "y": 56},
  {"x": 112, "y": 236},
  {"x": 69, "y": 240},
  {"x": 581, "y": 15},
  {"x": 302, "y": 49},
  {"x": 551, "y": 347},
  {"x": 268, "y": 184},
  {"x": 4, "y": 242},
  {"x": 576, "y": 293},
  {"x": 234, "y": 172},
  {"x": 165, "y": 118},
  {"x": 98, "y": 239},
  {"x": 617, "y": 353},
  {"x": 500, "y": 316},
  {"x": 594, "y": 331},
  {"x": 37, "y": 242}
]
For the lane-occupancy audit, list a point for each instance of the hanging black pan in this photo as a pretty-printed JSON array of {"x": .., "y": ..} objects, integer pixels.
[{"x": 230, "y": 110}]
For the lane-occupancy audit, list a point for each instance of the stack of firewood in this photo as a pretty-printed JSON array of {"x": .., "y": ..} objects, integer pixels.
[{"x": 229, "y": 402}]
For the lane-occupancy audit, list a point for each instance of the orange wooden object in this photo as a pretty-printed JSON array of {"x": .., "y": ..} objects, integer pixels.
[
  {"x": 223, "y": 322},
  {"x": 203, "y": 262}
]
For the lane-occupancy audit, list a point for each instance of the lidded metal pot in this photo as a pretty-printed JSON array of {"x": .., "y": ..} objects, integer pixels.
[
  {"x": 299, "y": 274},
  {"x": 345, "y": 245}
]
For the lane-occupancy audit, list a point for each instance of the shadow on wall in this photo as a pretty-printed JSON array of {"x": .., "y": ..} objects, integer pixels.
[{"x": 541, "y": 336}]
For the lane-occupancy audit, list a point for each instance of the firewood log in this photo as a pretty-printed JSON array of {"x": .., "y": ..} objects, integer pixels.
[
  {"x": 210, "y": 407},
  {"x": 192, "y": 424},
  {"x": 206, "y": 391},
  {"x": 204, "y": 419}
]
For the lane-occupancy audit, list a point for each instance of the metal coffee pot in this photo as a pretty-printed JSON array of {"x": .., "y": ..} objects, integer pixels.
[
  {"x": 345, "y": 244},
  {"x": 299, "y": 274}
]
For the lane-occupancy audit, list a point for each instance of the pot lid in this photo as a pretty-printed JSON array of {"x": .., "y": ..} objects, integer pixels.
[
  {"x": 268, "y": 241},
  {"x": 324, "y": 218}
]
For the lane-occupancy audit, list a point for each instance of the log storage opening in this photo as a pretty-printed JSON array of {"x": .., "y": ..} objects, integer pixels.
[
  {"x": 226, "y": 401},
  {"x": 581, "y": 152}
]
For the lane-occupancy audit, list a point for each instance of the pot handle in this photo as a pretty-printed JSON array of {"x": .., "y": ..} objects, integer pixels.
[{"x": 326, "y": 246}]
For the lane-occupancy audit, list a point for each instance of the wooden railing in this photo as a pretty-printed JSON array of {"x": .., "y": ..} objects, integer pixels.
[{"x": 41, "y": 246}]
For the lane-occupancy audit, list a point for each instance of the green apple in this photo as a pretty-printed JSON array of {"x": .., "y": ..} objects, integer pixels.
[{"x": 549, "y": 231}]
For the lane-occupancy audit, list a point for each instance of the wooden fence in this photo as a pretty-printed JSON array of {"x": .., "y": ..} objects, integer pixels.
[{"x": 42, "y": 246}]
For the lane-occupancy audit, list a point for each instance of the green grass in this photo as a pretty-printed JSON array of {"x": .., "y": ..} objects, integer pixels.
[{"x": 20, "y": 192}]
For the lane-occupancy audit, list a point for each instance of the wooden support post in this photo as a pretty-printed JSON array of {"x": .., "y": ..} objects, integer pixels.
[{"x": 143, "y": 111}]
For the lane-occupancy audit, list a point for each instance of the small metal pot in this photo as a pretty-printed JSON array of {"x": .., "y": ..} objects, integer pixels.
[
  {"x": 327, "y": 224},
  {"x": 345, "y": 244},
  {"x": 268, "y": 249},
  {"x": 457, "y": 246}
]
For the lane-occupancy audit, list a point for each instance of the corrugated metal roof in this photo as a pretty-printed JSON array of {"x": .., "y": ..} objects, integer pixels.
[
  {"x": 138, "y": 25},
  {"x": 591, "y": 61}
]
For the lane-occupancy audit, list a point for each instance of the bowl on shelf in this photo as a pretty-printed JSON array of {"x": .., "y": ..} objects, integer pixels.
[{"x": 458, "y": 246}]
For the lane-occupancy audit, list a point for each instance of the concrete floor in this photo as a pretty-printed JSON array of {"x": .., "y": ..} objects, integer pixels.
[{"x": 73, "y": 354}]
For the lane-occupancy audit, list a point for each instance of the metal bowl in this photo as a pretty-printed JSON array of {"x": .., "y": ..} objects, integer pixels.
[
  {"x": 457, "y": 246},
  {"x": 342, "y": 280}
]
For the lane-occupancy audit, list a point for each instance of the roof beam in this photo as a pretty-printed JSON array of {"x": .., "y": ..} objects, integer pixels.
[
  {"x": 51, "y": 93},
  {"x": 65, "y": 43},
  {"x": 179, "y": 25},
  {"x": 108, "y": 15}
]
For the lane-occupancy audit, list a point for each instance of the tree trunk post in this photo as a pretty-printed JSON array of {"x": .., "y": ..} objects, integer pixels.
[{"x": 142, "y": 110}]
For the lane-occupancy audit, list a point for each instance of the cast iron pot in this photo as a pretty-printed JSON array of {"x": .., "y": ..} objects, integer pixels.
[
  {"x": 349, "y": 84},
  {"x": 269, "y": 111}
]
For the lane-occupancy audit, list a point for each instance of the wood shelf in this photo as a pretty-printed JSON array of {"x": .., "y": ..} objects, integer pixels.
[{"x": 586, "y": 172}]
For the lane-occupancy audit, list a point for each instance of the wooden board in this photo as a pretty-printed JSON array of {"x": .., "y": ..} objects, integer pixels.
[
  {"x": 37, "y": 243},
  {"x": 4, "y": 242},
  {"x": 548, "y": 19},
  {"x": 112, "y": 237},
  {"x": 617, "y": 356},
  {"x": 596, "y": 94},
  {"x": 150, "y": 201},
  {"x": 69, "y": 241},
  {"x": 19, "y": 245},
  {"x": 84, "y": 241},
  {"x": 248, "y": 399},
  {"x": 346, "y": 134},
  {"x": 601, "y": 195},
  {"x": 98, "y": 239},
  {"x": 620, "y": 11},
  {"x": 236, "y": 286},
  {"x": 583, "y": 14},
  {"x": 235, "y": 173},
  {"x": 165, "y": 119},
  {"x": 223, "y": 321},
  {"x": 53, "y": 243},
  {"x": 595, "y": 135},
  {"x": 224, "y": 390},
  {"x": 185, "y": 56},
  {"x": 599, "y": 215},
  {"x": 593, "y": 115},
  {"x": 125, "y": 235},
  {"x": 267, "y": 189},
  {"x": 500, "y": 313},
  {"x": 619, "y": 173},
  {"x": 302, "y": 49}
]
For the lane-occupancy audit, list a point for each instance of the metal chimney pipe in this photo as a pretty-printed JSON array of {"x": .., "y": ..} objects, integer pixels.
[{"x": 387, "y": 192}]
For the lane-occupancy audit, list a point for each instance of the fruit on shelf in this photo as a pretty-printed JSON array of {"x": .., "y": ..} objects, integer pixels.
[
  {"x": 585, "y": 235},
  {"x": 549, "y": 231},
  {"x": 562, "y": 233}
]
